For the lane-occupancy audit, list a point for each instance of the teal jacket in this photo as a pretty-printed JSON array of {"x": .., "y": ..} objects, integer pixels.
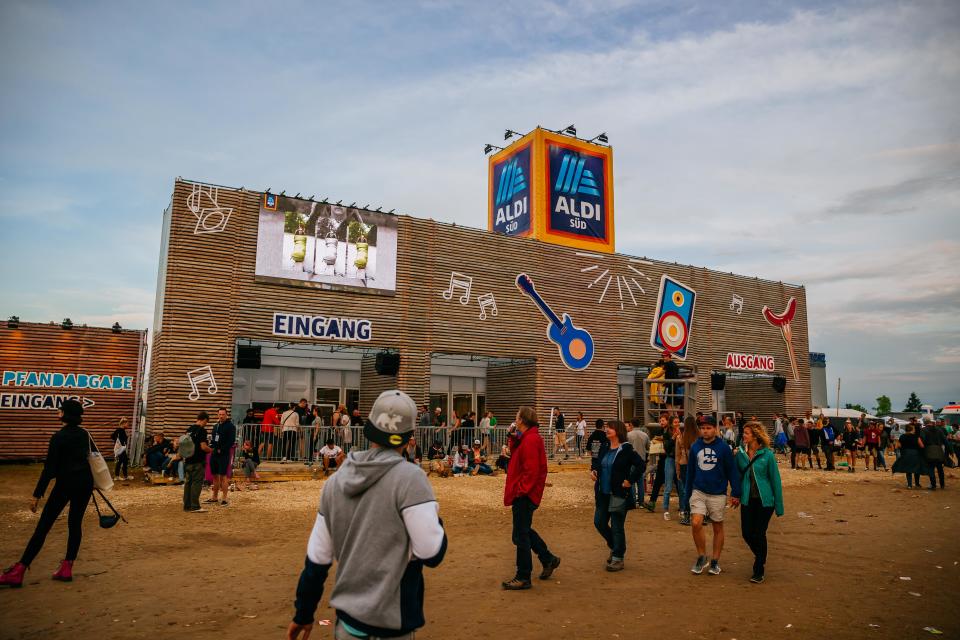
[{"x": 767, "y": 475}]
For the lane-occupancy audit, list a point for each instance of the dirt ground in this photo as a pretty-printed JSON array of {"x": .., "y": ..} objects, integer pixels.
[{"x": 838, "y": 565}]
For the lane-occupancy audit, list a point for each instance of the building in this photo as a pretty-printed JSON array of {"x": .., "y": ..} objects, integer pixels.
[
  {"x": 818, "y": 379},
  {"x": 264, "y": 298}
]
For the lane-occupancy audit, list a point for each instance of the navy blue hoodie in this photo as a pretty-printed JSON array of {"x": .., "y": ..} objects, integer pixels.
[{"x": 711, "y": 467}]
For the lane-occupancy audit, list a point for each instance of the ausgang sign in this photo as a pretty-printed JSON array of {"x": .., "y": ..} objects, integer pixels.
[{"x": 750, "y": 362}]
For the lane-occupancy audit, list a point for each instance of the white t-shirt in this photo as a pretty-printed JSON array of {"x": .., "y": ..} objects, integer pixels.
[
  {"x": 581, "y": 427},
  {"x": 330, "y": 452},
  {"x": 290, "y": 420}
]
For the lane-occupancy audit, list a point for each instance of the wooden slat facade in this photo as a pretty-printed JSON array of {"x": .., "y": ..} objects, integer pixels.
[
  {"x": 24, "y": 433},
  {"x": 211, "y": 300}
]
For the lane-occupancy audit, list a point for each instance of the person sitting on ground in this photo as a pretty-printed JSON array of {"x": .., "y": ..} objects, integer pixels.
[
  {"x": 331, "y": 456},
  {"x": 478, "y": 461},
  {"x": 503, "y": 460},
  {"x": 436, "y": 451},
  {"x": 460, "y": 461},
  {"x": 156, "y": 453},
  {"x": 411, "y": 452},
  {"x": 250, "y": 460}
]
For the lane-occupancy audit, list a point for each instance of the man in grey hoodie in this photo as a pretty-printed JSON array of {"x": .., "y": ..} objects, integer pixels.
[{"x": 379, "y": 519}]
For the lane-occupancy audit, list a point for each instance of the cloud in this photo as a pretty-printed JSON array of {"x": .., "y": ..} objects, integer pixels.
[
  {"x": 903, "y": 197},
  {"x": 948, "y": 355}
]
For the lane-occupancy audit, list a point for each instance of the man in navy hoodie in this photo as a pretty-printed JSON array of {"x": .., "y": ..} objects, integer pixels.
[{"x": 710, "y": 469}]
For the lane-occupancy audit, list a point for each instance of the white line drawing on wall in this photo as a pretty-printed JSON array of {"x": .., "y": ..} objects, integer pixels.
[
  {"x": 625, "y": 287},
  {"x": 195, "y": 377},
  {"x": 736, "y": 304},
  {"x": 211, "y": 217},
  {"x": 459, "y": 281},
  {"x": 487, "y": 301}
]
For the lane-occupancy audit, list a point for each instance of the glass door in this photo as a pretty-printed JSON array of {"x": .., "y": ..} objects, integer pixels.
[{"x": 462, "y": 404}]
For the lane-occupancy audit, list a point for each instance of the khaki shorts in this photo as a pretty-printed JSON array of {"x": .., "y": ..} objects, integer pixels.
[{"x": 708, "y": 505}]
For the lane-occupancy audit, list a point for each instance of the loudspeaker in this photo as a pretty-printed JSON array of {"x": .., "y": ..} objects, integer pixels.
[
  {"x": 779, "y": 383},
  {"x": 248, "y": 356},
  {"x": 387, "y": 364},
  {"x": 718, "y": 381}
]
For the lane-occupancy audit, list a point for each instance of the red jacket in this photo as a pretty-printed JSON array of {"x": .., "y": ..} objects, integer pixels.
[{"x": 527, "y": 471}]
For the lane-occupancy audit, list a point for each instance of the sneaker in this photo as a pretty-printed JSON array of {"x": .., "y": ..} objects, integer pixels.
[
  {"x": 666, "y": 515},
  {"x": 757, "y": 578},
  {"x": 200, "y": 510},
  {"x": 615, "y": 565},
  {"x": 649, "y": 506},
  {"x": 516, "y": 584},
  {"x": 699, "y": 565},
  {"x": 685, "y": 519},
  {"x": 714, "y": 568},
  {"x": 549, "y": 568},
  {"x": 224, "y": 503},
  {"x": 211, "y": 501}
]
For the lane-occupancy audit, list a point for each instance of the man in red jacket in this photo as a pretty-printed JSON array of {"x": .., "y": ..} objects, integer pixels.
[{"x": 526, "y": 476}]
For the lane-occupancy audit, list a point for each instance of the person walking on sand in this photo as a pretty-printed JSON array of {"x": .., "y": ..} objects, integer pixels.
[
  {"x": 379, "y": 519},
  {"x": 67, "y": 463},
  {"x": 526, "y": 478},
  {"x": 761, "y": 494},
  {"x": 710, "y": 469},
  {"x": 615, "y": 471}
]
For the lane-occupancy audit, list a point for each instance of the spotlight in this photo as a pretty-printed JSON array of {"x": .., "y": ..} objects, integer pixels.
[
  {"x": 487, "y": 148},
  {"x": 66, "y": 324},
  {"x": 283, "y": 193},
  {"x": 391, "y": 211},
  {"x": 338, "y": 202},
  {"x": 600, "y": 138},
  {"x": 571, "y": 130},
  {"x": 298, "y": 195},
  {"x": 379, "y": 209},
  {"x": 352, "y": 204},
  {"x": 509, "y": 134},
  {"x": 116, "y": 328},
  {"x": 325, "y": 201},
  {"x": 13, "y": 322}
]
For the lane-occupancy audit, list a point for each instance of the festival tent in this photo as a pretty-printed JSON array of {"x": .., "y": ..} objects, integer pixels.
[{"x": 852, "y": 414}]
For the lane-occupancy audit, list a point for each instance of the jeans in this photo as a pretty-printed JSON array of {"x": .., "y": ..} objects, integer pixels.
[
  {"x": 156, "y": 461},
  {"x": 657, "y": 479},
  {"x": 192, "y": 485},
  {"x": 74, "y": 490},
  {"x": 938, "y": 468},
  {"x": 754, "y": 519},
  {"x": 913, "y": 478},
  {"x": 526, "y": 539},
  {"x": 881, "y": 462},
  {"x": 122, "y": 464},
  {"x": 681, "y": 490},
  {"x": 669, "y": 475},
  {"x": 610, "y": 526}
]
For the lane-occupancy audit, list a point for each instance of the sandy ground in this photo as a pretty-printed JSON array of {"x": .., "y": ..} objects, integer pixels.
[{"x": 837, "y": 566}]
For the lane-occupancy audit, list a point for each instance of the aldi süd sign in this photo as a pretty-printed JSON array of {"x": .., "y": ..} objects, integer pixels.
[
  {"x": 576, "y": 185},
  {"x": 510, "y": 177}
]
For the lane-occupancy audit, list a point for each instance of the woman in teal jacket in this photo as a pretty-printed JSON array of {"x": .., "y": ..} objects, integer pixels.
[{"x": 761, "y": 493}]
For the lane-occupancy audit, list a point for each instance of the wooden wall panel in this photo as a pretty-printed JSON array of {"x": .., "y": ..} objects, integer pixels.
[
  {"x": 24, "y": 433},
  {"x": 212, "y": 299},
  {"x": 372, "y": 384},
  {"x": 510, "y": 386}
]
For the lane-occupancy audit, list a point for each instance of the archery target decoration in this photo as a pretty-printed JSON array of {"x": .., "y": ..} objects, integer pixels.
[{"x": 674, "y": 318}]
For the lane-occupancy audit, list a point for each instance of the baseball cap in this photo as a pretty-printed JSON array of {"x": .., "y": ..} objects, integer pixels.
[
  {"x": 391, "y": 419},
  {"x": 476, "y": 442},
  {"x": 709, "y": 420}
]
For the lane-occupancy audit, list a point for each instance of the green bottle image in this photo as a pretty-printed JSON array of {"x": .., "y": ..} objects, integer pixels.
[
  {"x": 299, "y": 245},
  {"x": 362, "y": 252}
]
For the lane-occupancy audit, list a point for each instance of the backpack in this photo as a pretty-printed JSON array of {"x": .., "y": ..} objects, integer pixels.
[{"x": 187, "y": 446}]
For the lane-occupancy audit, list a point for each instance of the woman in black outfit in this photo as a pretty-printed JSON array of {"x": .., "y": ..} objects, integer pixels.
[
  {"x": 67, "y": 463},
  {"x": 615, "y": 470},
  {"x": 119, "y": 438},
  {"x": 910, "y": 461}
]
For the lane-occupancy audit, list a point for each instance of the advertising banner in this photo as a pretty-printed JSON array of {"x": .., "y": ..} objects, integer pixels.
[
  {"x": 326, "y": 246},
  {"x": 510, "y": 193},
  {"x": 673, "y": 321},
  {"x": 576, "y": 192}
]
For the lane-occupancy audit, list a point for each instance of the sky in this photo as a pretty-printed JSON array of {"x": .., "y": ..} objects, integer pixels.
[{"x": 810, "y": 142}]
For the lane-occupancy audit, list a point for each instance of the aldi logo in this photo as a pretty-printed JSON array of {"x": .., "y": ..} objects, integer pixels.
[
  {"x": 511, "y": 195},
  {"x": 576, "y": 193}
]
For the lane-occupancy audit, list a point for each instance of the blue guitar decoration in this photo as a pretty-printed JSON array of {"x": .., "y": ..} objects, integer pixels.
[{"x": 574, "y": 343}]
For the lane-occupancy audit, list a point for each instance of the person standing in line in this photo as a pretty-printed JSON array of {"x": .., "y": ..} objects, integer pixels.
[
  {"x": 710, "y": 470},
  {"x": 910, "y": 461},
  {"x": 615, "y": 470},
  {"x": 379, "y": 519},
  {"x": 268, "y": 431},
  {"x": 67, "y": 464},
  {"x": 289, "y": 422},
  {"x": 559, "y": 433},
  {"x": 454, "y": 429},
  {"x": 485, "y": 433},
  {"x": 194, "y": 463},
  {"x": 596, "y": 439},
  {"x": 121, "y": 468},
  {"x": 346, "y": 432},
  {"x": 526, "y": 478},
  {"x": 761, "y": 493},
  {"x": 467, "y": 427},
  {"x": 689, "y": 435},
  {"x": 221, "y": 458},
  {"x": 934, "y": 452},
  {"x": 581, "y": 431}
]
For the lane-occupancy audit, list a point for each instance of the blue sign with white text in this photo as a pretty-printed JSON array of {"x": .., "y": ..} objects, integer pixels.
[
  {"x": 511, "y": 194},
  {"x": 577, "y": 200}
]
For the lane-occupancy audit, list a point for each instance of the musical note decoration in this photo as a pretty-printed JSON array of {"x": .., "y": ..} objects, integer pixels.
[
  {"x": 211, "y": 217},
  {"x": 487, "y": 301},
  {"x": 736, "y": 304},
  {"x": 574, "y": 344},
  {"x": 783, "y": 320},
  {"x": 195, "y": 377},
  {"x": 459, "y": 281}
]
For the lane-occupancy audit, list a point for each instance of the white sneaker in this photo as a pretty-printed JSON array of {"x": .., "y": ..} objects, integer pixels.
[{"x": 666, "y": 515}]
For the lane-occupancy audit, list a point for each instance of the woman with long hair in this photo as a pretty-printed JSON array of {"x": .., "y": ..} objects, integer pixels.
[
  {"x": 67, "y": 463},
  {"x": 691, "y": 432},
  {"x": 615, "y": 470},
  {"x": 761, "y": 494}
]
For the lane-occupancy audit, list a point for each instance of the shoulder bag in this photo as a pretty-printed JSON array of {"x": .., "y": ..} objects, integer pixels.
[{"x": 98, "y": 467}]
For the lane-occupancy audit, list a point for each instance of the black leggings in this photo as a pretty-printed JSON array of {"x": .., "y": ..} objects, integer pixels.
[
  {"x": 658, "y": 478},
  {"x": 936, "y": 469},
  {"x": 74, "y": 490},
  {"x": 122, "y": 464},
  {"x": 754, "y": 519}
]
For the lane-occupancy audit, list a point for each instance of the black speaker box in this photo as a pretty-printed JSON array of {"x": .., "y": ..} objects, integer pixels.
[
  {"x": 779, "y": 384},
  {"x": 248, "y": 356},
  {"x": 718, "y": 381},
  {"x": 387, "y": 364}
]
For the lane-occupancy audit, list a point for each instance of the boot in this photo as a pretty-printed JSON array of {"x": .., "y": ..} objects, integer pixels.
[
  {"x": 13, "y": 576},
  {"x": 65, "y": 572}
]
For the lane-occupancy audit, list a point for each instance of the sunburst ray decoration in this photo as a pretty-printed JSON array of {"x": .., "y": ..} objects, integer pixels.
[{"x": 626, "y": 284}]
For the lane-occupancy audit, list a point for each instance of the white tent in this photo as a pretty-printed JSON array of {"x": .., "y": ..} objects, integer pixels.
[{"x": 852, "y": 414}]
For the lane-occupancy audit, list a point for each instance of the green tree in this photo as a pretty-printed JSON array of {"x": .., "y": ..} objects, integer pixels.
[
  {"x": 856, "y": 407},
  {"x": 883, "y": 406},
  {"x": 913, "y": 403}
]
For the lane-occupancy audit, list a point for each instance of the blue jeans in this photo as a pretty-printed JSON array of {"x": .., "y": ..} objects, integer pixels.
[
  {"x": 610, "y": 526},
  {"x": 880, "y": 461},
  {"x": 681, "y": 490},
  {"x": 669, "y": 475}
]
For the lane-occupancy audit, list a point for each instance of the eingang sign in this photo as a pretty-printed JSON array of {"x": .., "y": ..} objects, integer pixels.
[
  {"x": 324, "y": 327},
  {"x": 750, "y": 362}
]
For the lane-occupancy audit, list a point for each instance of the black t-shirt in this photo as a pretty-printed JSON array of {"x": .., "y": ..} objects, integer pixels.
[
  {"x": 163, "y": 447},
  {"x": 356, "y": 421},
  {"x": 198, "y": 434},
  {"x": 558, "y": 422},
  {"x": 595, "y": 441},
  {"x": 909, "y": 441},
  {"x": 671, "y": 370},
  {"x": 436, "y": 453},
  {"x": 253, "y": 454},
  {"x": 304, "y": 413},
  {"x": 466, "y": 423}
]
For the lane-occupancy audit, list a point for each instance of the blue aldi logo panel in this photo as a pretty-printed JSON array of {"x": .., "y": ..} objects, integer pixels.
[
  {"x": 511, "y": 194},
  {"x": 577, "y": 199}
]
